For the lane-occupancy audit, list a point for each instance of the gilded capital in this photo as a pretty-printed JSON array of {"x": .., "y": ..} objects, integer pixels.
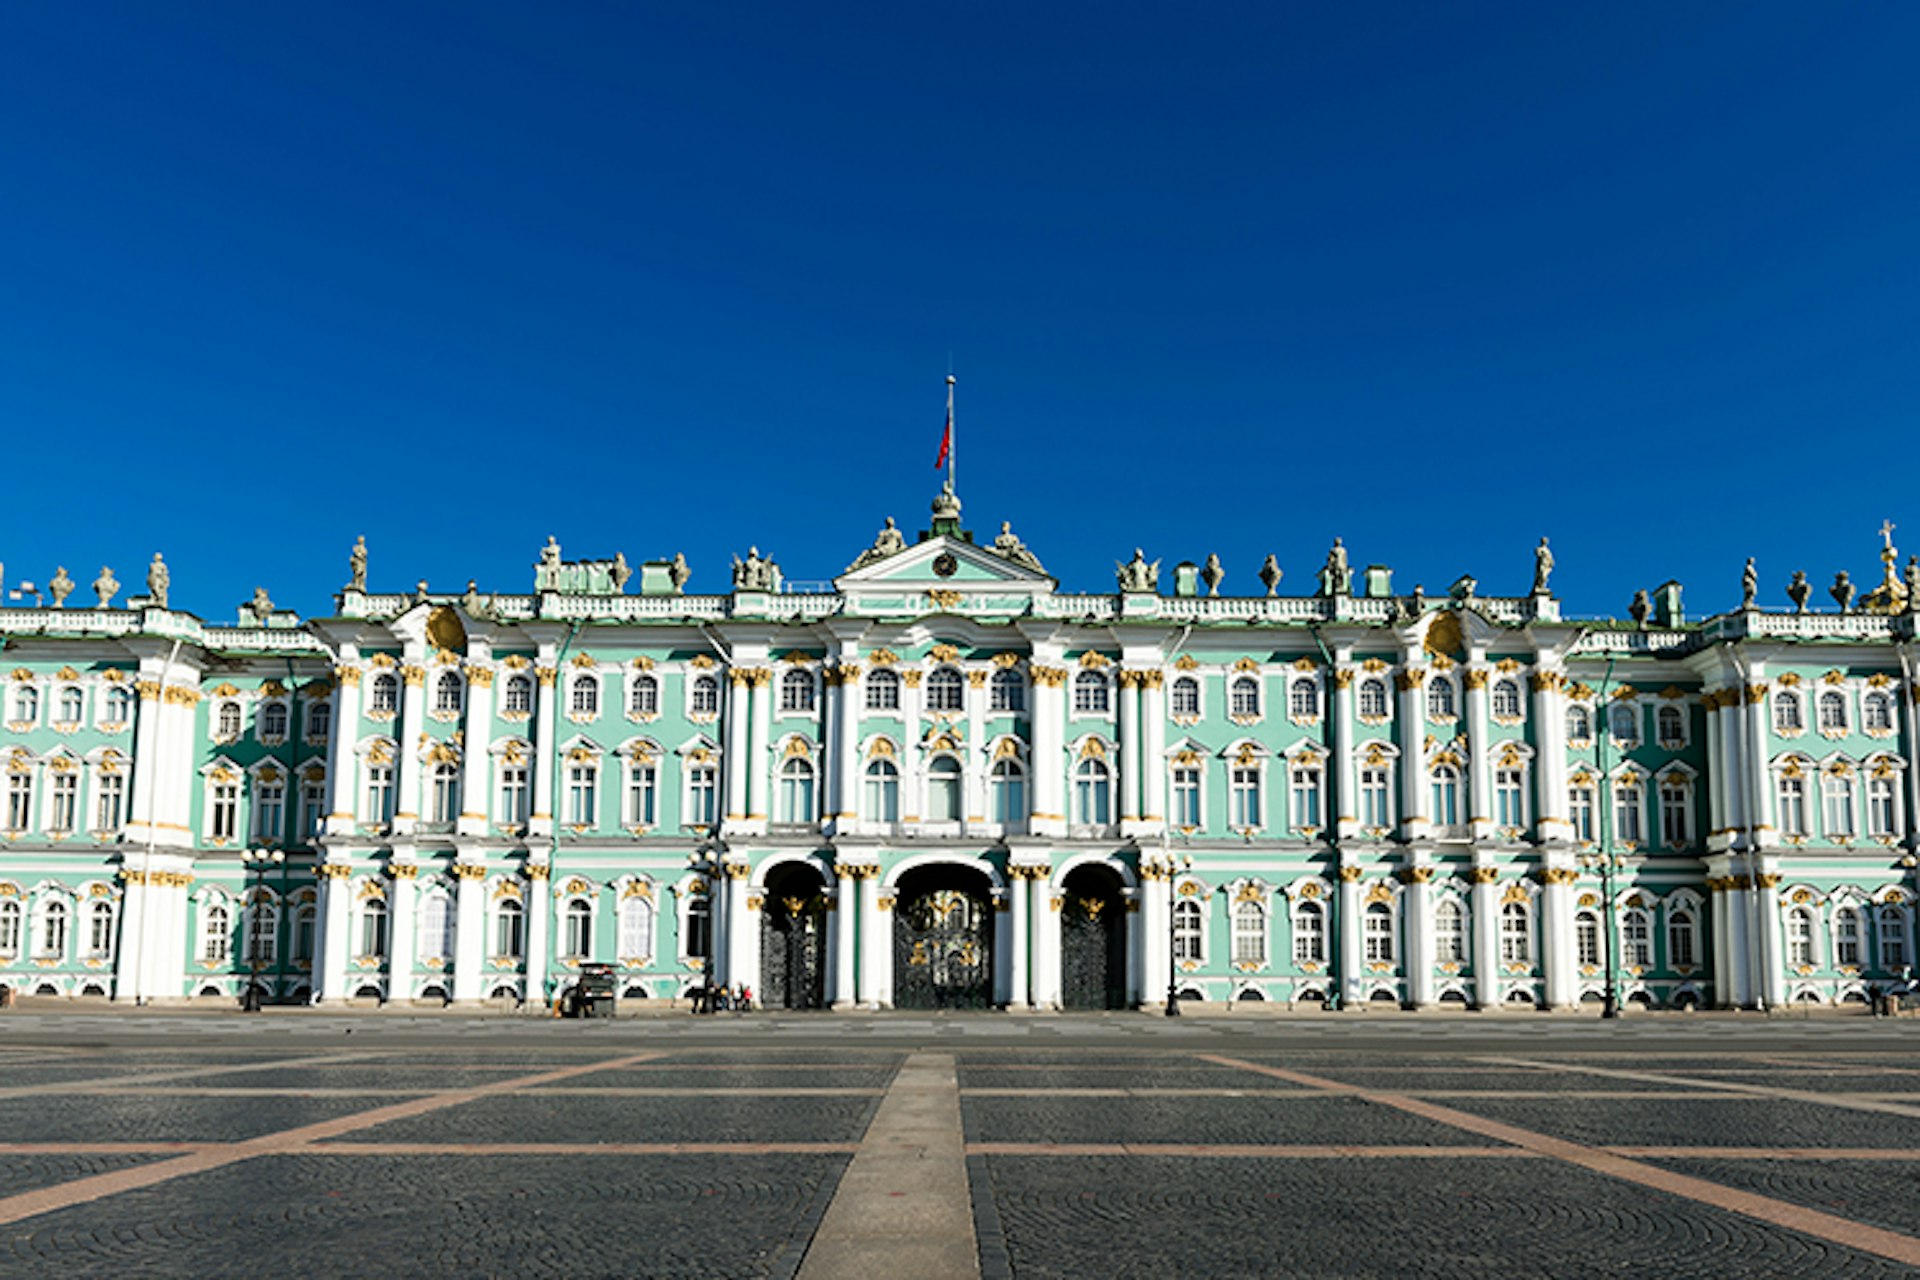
[
  {"x": 1350, "y": 874},
  {"x": 402, "y": 870},
  {"x": 480, "y": 677},
  {"x": 347, "y": 675},
  {"x": 545, "y": 675},
  {"x": 537, "y": 870},
  {"x": 1484, "y": 875},
  {"x": 413, "y": 676}
]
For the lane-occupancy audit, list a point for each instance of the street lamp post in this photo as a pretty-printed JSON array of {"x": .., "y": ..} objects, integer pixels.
[
  {"x": 1172, "y": 866},
  {"x": 257, "y": 861}
]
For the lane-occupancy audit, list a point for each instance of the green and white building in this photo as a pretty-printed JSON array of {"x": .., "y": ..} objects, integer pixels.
[{"x": 943, "y": 781}]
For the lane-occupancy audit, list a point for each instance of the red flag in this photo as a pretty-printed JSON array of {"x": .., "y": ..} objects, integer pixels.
[{"x": 946, "y": 441}]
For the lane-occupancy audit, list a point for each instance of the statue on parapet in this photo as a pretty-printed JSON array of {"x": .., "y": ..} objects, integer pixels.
[
  {"x": 1842, "y": 591},
  {"x": 1749, "y": 584},
  {"x": 546, "y": 576},
  {"x": 679, "y": 571},
  {"x": 1642, "y": 606},
  {"x": 60, "y": 587},
  {"x": 261, "y": 606},
  {"x": 1336, "y": 579},
  {"x": 620, "y": 572},
  {"x": 1137, "y": 575},
  {"x": 158, "y": 580},
  {"x": 1542, "y": 567},
  {"x": 1798, "y": 589},
  {"x": 754, "y": 573},
  {"x": 106, "y": 586},
  {"x": 357, "y": 564},
  {"x": 1213, "y": 573},
  {"x": 1007, "y": 545},
  {"x": 1271, "y": 573},
  {"x": 889, "y": 542}
]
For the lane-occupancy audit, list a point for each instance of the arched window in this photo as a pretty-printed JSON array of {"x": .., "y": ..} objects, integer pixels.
[
  {"x": 383, "y": 698},
  {"x": 943, "y": 789},
  {"x": 446, "y": 692},
  {"x": 1893, "y": 938},
  {"x": 883, "y": 791},
  {"x": 319, "y": 720},
  {"x": 273, "y": 721},
  {"x": 1836, "y": 796},
  {"x": 100, "y": 930},
  {"x": 1516, "y": 933},
  {"x": 1243, "y": 796},
  {"x": 1373, "y": 699},
  {"x": 643, "y": 696},
  {"x": 1090, "y": 693},
  {"x": 1670, "y": 726},
  {"x": 796, "y": 691},
  {"x": 436, "y": 929},
  {"x": 1623, "y": 724},
  {"x": 705, "y": 697},
  {"x": 1187, "y": 936},
  {"x": 1440, "y": 705},
  {"x": 1309, "y": 934},
  {"x": 1505, "y": 700},
  {"x": 1092, "y": 793},
  {"x": 1449, "y": 932},
  {"x": 1243, "y": 697},
  {"x": 1579, "y": 724},
  {"x": 1833, "y": 712},
  {"x": 1249, "y": 932},
  {"x": 585, "y": 699},
  {"x": 1846, "y": 938},
  {"x": 1185, "y": 698},
  {"x": 796, "y": 790},
  {"x": 216, "y": 934},
  {"x": 72, "y": 707},
  {"x": 946, "y": 690},
  {"x": 1446, "y": 795},
  {"x": 119, "y": 705},
  {"x": 1786, "y": 712},
  {"x": 443, "y": 804},
  {"x": 1586, "y": 939},
  {"x": 26, "y": 703},
  {"x": 1876, "y": 713},
  {"x": 1007, "y": 792},
  {"x": 1800, "y": 936},
  {"x": 1681, "y": 940},
  {"x": 1303, "y": 699},
  {"x": 1007, "y": 691},
  {"x": 636, "y": 928},
  {"x": 227, "y": 721},
  {"x": 1636, "y": 938},
  {"x": 509, "y": 929},
  {"x": 883, "y": 690},
  {"x": 373, "y": 928},
  {"x": 579, "y": 929},
  {"x": 518, "y": 700},
  {"x": 1377, "y": 933}
]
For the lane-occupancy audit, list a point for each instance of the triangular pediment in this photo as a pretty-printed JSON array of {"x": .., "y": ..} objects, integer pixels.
[{"x": 943, "y": 562}]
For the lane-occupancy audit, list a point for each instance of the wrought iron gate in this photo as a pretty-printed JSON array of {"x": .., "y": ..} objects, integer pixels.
[
  {"x": 943, "y": 951},
  {"x": 1093, "y": 951},
  {"x": 793, "y": 941}
]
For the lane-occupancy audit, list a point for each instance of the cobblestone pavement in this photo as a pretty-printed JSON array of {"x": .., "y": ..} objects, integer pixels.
[{"x": 1103, "y": 1146}]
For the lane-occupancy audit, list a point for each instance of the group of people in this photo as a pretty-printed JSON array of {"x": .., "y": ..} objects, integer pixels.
[
  {"x": 711, "y": 999},
  {"x": 1889, "y": 998}
]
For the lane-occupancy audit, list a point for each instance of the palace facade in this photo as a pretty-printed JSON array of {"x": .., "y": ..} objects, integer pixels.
[{"x": 944, "y": 782}]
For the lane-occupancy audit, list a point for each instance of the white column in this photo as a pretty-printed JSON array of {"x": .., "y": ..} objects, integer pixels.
[
  {"x": 1772, "y": 952},
  {"x": 1739, "y": 943},
  {"x": 844, "y": 919},
  {"x": 539, "y": 932},
  {"x": 469, "y": 931},
  {"x": 1550, "y": 763},
  {"x": 1754, "y": 722},
  {"x": 977, "y": 757},
  {"x": 1717, "y": 820},
  {"x": 413, "y": 715},
  {"x": 1019, "y": 953},
  {"x": 545, "y": 753},
  {"x": 1153, "y": 751},
  {"x": 759, "y": 763},
  {"x": 477, "y": 762},
  {"x": 1723, "y": 961},
  {"x": 1413, "y": 764},
  {"x": 735, "y": 733},
  {"x": 1044, "y": 918},
  {"x": 912, "y": 759},
  {"x": 876, "y": 944},
  {"x": 1351, "y": 927},
  {"x": 846, "y": 748},
  {"x": 402, "y": 902},
  {"x": 1557, "y": 945},
  {"x": 1003, "y": 988},
  {"x": 1129, "y": 716},
  {"x": 739, "y": 927},
  {"x": 1049, "y": 751},
  {"x": 1479, "y": 739},
  {"x": 1486, "y": 937},
  {"x": 341, "y": 771},
  {"x": 332, "y": 930},
  {"x": 1417, "y": 909},
  {"x": 1153, "y": 936},
  {"x": 1342, "y": 804}
]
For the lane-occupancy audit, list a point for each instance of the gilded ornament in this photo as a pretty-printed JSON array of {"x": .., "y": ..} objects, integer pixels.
[{"x": 413, "y": 676}]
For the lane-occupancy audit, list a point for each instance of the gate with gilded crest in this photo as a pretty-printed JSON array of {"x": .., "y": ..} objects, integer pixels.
[
  {"x": 1093, "y": 940},
  {"x": 793, "y": 941},
  {"x": 943, "y": 940}
]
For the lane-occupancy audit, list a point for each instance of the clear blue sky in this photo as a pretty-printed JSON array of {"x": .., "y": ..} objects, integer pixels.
[{"x": 1436, "y": 278}]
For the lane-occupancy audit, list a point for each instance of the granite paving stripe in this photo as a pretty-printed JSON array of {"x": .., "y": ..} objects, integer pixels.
[
  {"x": 1767, "y": 1153},
  {"x": 1122, "y": 1092},
  {"x": 25, "y": 1168},
  {"x": 351, "y": 1148},
  {"x": 1506, "y": 1079},
  {"x": 1283, "y": 1120},
  {"x": 67, "y": 1085},
  {"x": 1733, "y": 1120},
  {"x": 423, "y": 1079},
  {"x": 532, "y": 1115},
  {"x": 1735, "y": 1087},
  {"x": 1302, "y": 1151},
  {"x": 1892, "y": 1245},
  {"x": 1879, "y": 1192},
  {"x": 71, "y": 1117},
  {"x": 104, "y": 1148},
  {"x": 714, "y": 1079}
]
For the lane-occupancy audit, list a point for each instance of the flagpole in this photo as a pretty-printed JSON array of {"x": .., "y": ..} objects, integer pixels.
[{"x": 950, "y": 448}]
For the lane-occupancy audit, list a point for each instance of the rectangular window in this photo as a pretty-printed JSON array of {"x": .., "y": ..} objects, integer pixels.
[
  {"x": 313, "y": 809},
  {"x": 1627, "y": 825},
  {"x": 66, "y": 802},
  {"x": 641, "y": 790},
  {"x": 513, "y": 794},
  {"x": 223, "y": 810},
  {"x": 1376, "y": 812},
  {"x": 269, "y": 810},
  {"x": 1580, "y": 813},
  {"x": 1880, "y": 807},
  {"x": 1186, "y": 796},
  {"x": 1846, "y": 939},
  {"x": 379, "y": 793},
  {"x": 110, "y": 801},
  {"x": 1306, "y": 799},
  {"x": 582, "y": 807},
  {"x": 1793, "y": 807},
  {"x": 1837, "y": 792},
  {"x": 20, "y": 802},
  {"x": 1309, "y": 936},
  {"x": 1245, "y": 795},
  {"x": 1378, "y": 934},
  {"x": 1676, "y": 828},
  {"x": 1509, "y": 798},
  {"x": 703, "y": 797}
]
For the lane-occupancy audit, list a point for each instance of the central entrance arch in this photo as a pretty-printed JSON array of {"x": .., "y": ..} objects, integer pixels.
[
  {"x": 793, "y": 939},
  {"x": 943, "y": 939},
  {"x": 1093, "y": 939}
]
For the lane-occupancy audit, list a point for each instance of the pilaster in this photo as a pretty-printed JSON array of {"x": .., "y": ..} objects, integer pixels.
[
  {"x": 1341, "y": 806},
  {"x": 1557, "y": 944},
  {"x": 1019, "y": 953},
  {"x": 406, "y": 735},
  {"x": 342, "y": 770},
  {"x": 1415, "y": 822},
  {"x": 1479, "y": 779},
  {"x": 1351, "y": 955},
  {"x": 1043, "y": 914},
  {"x": 843, "y": 921},
  {"x": 1550, "y": 763},
  {"x": 1417, "y": 911},
  {"x": 546, "y": 749},
  {"x": 759, "y": 762},
  {"x": 332, "y": 933},
  {"x": 469, "y": 931},
  {"x": 1486, "y": 935},
  {"x": 476, "y": 759},
  {"x": 402, "y": 909},
  {"x": 1153, "y": 751},
  {"x": 539, "y": 930},
  {"x": 1049, "y": 749}
]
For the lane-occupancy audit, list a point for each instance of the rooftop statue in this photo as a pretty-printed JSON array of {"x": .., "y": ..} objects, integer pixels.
[
  {"x": 1336, "y": 579},
  {"x": 1913, "y": 584},
  {"x": 261, "y": 607},
  {"x": 679, "y": 572},
  {"x": 890, "y": 541},
  {"x": 1008, "y": 546},
  {"x": 357, "y": 564},
  {"x": 1542, "y": 567},
  {"x": 60, "y": 587},
  {"x": 106, "y": 586},
  {"x": 1642, "y": 606},
  {"x": 1798, "y": 589},
  {"x": 755, "y": 574},
  {"x": 474, "y": 605},
  {"x": 619, "y": 572},
  {"x": 1136, "y": 575},
  {"x": 1749, "y": 585},
  {"x": 1842, "y": 590},
  {"x": 1212, "y": 573},
  {"x": 1271, "y": 573},
  {"x": 546, "y": 575},
  {"x": 158, "y": 579}
]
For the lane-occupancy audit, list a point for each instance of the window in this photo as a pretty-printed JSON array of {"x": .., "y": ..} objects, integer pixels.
[
  {"x": 636, "y": 928},
  {"x": 1377, "y": 933},
  {"x": 1628, "y": 826},
  {"x": 1092, "y": 793},
  {"x": 379, "y": 793},
  {"x": 443, "y": 796},
  {"x": 119, "y": 705},
  {"x": 1882, "y": 816},
  {"x": 20, "y": 801},
  {"x": 1309, "y": 934},
  {"x": 313, "y": 807},
  {"x": 99, "y": 930},
  {"x": 1090, "y": 693},
  {"x": 1680, "y": 940},
  {"x": 1185, "y": 699},
  {"x": 699, "y": 934},
  {"x": 1446, "y": 795},
  {"x": 1836, "y": 797},
  {"x": 946, "y": 691},
  {"x": 1449, "y": 933},
  {"x": 319, "y": 721},
  {"x": 304, "y": 920},
  {"x": 703, "y": 798},
  {"x": 373, "y": 928},
  {"x": 518, "y": 700},
  {"x": 1623, "y": 724},
  {"x": 1376, "y": 798},
  {"x": 1006, "y": 691},
  {"x": 943, "y": 789},
  {"x": 9, "y": 928},
  {"x": 1833, "y": 712},
  {"x": 384, "y": 697},
  {"x": 1243, "y": 794},
  {"x": 1243, "y": 697},
  {"x": 1676, "y": 817},
  {"x": 643, "y": 696},
  {"x": 513, "y": 794},
  {"x": 883, "y": 690},
  {"x": 704, "y": 700},
  {"x": 796, "y": 791},
  {"x": 642, "y": 792},
  {"x": 1670, "y": 726},
  {"x": 1303, "y": 786},
  {"x": 1636, "y": 939},
  {"x": 1440, "y": 704},
  {"x": 1893, "y": 938},
  {"x": 1373, "y": 699},
  {"x": 1786, "y": 713},
  {"x": 1186, "y": 930},
  {"x": 1792, "y": 796},
  {"x": 1007, "y": 792},
  {"x": 584, "y": 702},
  {"x": 578, "y": 942},
  {"x": 223, "y": 809},
  {"x": 26, "y": 703},
  {"x": 796, "y": 691},
  {"x": 883, "y": 791},
  {"x": 509, "y": 929},
  {"x": 216, "y": 935},
  {"x": 109, "y": 799},
  {"x": 1303, "y": 700},
  {"x": 1876, "y": 713},
  {"x": 1249, "y": 933},
  {"x": 1586, "y": 939},
  {"x": 1516, "y": 934},
  {"x": 436, "y": 929},
  {"x": 1506, "y": 700},
  {"x": 583, "y": 804},
  {"x": 446, "y": 693},
  {"x": 1846, "y": 938},
  {"x": 269, "y": 810},
  {"x": 54, "y": 919},
  {"x": 1799, "y": 936},
  {"x": 1186, "y": 795},
  {"x": 273, "y": 721},
  {"x": 1579, "y": 725},
  {"x": 72, "y": 707},
  {"x": 66, "y": 802},
  {"x": 1509, "y": 798},
  {"x": 227, "y": 721}
]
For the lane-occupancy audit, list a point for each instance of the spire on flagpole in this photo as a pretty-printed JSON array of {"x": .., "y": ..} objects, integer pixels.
[{"x": 949, "y": 443}]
